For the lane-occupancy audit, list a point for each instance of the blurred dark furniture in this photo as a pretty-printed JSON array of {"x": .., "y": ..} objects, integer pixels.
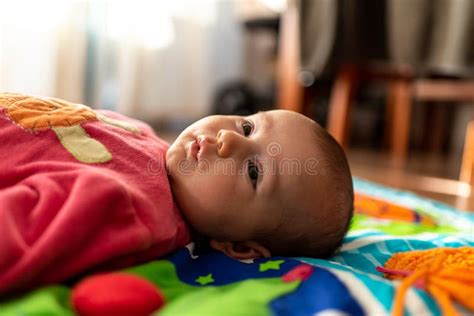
[{"x": 406, "y": 78}]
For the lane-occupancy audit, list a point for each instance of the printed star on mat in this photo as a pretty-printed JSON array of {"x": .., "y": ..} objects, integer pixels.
[
  {"x": 270, "y": 265},
  {"x": 203, "y": 280}
]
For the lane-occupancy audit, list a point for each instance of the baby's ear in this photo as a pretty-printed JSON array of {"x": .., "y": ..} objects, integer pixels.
[{"x": 241, "y": 250}]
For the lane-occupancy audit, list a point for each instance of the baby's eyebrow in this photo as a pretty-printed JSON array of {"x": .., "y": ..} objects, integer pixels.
[{"x": 265, "y": 118}]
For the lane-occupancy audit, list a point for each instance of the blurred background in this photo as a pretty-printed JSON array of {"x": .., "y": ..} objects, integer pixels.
[{"x": 392, "y": 80}]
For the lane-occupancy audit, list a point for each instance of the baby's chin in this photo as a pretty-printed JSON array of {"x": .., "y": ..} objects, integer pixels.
[
  {"x": 169, "y": 152},
  {"x": 170, "y": 160}
]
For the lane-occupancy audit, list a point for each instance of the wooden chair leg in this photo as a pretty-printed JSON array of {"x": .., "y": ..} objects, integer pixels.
[
  {"x": 388, "y": 131},
  {"x": 340, "y": 104},
  {"x": 467, "y": 167},
  {"x": 401, "y": 98},
  {"x": 289, "y": 90}
]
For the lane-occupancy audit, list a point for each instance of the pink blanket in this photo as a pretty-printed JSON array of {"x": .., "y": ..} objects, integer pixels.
[{"x": 79, "y": 189}]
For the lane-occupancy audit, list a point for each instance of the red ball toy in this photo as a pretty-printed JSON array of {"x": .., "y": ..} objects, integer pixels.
[{"x": 116, "y": 294}]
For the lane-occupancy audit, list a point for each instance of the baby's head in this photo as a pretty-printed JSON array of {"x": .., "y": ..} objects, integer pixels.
[{"x": 274, "y": 183}]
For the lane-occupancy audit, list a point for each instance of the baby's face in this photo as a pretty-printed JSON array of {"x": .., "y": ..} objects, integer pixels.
[{"x": 235, "y": 176}]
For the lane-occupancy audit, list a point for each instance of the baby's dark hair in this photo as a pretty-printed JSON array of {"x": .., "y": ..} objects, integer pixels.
[{"x": 323, "y": 235}]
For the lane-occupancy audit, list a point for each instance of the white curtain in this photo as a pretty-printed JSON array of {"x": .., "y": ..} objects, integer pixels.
[
  {"x": 42, "y": 47},
  {"x": 149, "y": 59}
]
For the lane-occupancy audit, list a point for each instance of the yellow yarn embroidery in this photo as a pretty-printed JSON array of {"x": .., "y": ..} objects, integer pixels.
[{"x": 446, "y": 273}]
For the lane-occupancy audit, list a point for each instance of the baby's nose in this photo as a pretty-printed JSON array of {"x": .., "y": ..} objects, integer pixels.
[{"x": 230, "y": 143}]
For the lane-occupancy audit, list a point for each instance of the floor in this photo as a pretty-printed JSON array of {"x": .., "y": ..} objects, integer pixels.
[{"x": 431, "y": 176}]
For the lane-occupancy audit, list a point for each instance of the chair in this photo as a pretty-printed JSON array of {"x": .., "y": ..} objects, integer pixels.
[{"x": 403, "y": 87}]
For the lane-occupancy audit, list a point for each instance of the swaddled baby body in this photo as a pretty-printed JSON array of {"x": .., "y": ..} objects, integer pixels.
[{"x": 82, "y": 189}]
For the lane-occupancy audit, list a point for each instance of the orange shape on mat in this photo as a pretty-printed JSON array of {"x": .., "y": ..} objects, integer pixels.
[
  {"x": 370, "y": 206},
  {"x": 446, "y": 273}
]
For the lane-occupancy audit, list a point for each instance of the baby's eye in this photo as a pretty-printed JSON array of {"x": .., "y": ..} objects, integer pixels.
[
  {"x": 253, "y": 172},
  {"x": 247, "y": 127}
]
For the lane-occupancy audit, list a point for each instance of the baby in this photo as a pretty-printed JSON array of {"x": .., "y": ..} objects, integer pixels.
[
  {"x": 274, "y": 183},
  {"x": 83, "y": 189}
]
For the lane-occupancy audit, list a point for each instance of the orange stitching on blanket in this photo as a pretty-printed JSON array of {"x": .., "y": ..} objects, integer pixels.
[
  {"x": 446, "y": 273},
  {"x": 34, "y": 114},
  {"x": 38, "y": 114}
]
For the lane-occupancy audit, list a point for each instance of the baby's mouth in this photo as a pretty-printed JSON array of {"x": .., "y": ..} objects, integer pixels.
[{"x": 195, "y": 149}]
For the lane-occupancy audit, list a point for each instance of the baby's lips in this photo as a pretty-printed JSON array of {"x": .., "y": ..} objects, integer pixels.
[
  {"x": 204, "y": 139},
  {"x": 204, "y": 142},
  {"x": 195, "y": 149}
]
